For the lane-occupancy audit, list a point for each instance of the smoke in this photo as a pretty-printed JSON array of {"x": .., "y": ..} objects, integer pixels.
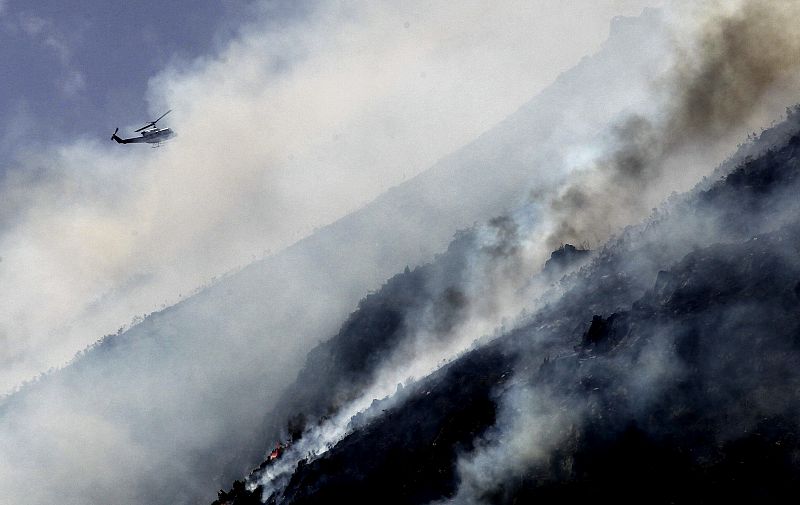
[
  {"x": 542, "y": 416},
  {"x": 474, "y": 292},
  {"x": 731, "y": 67},
  {"x": 283, "y": 131},
  {"x": 532, "y": 423},
  {"x": 740, "y": 60},
  {"x": 279, "y": 133}
]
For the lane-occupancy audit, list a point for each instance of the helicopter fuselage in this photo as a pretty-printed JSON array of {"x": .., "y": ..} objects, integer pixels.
[
  {"x": 157, "y": 135},
  {"x": 151, "y": 136}
]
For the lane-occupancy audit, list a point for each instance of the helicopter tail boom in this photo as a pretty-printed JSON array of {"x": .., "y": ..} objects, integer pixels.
[
  {"x": 115, "y": 137},
  {"x": 134, "y": 140}
]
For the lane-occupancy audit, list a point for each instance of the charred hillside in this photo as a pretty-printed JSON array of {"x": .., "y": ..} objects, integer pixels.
[
  {"x": 722, "y": 429},
  {"x": 666, "y": 370},
  {"x": 338, "y": 369}
]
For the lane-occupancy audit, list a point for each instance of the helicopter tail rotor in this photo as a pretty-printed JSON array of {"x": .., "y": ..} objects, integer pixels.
[{"x": 117, "y": 139}]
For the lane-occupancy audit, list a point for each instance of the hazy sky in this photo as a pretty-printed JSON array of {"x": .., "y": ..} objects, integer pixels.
[
  {"x": 289, "y": 116},
  {"x": 78, "y": 67}
]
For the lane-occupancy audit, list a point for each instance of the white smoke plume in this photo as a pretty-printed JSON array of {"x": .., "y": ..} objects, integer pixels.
[
  {"x": 280, "y": 132},
  {"x": 284, "y": 130}
]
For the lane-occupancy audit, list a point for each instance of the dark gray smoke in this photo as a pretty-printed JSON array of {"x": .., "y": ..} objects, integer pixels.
[
  {"x": 739, "y": 58},
  {"x": 738, "y": 62}
]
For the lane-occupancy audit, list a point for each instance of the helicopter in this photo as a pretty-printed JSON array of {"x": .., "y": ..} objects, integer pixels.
[{"x": 151, "y": 134}]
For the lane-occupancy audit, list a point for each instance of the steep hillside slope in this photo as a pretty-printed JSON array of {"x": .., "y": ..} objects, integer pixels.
[{"x": 666, "y": 370}]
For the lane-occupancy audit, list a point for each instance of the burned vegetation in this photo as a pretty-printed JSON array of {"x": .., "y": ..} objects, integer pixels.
[{"x": 671, "y": 361}]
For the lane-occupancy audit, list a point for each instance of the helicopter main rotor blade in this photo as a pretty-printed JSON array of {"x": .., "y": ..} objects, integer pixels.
[
  {"x": 153, "y": 123},
  {"x": 162, "y": 115}
]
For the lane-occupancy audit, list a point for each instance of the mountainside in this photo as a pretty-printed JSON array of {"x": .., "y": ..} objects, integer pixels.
[
  {"x": 154, "y": 400},
  {"x": 664, "y": 368}
]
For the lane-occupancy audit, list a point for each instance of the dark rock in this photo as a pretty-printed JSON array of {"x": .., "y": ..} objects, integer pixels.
[{"x": 564, "y": 257}]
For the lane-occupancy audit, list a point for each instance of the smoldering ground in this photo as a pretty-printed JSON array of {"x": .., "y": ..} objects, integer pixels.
[
  {"x": 703, "y": 365},
  {"x": 667, "y": 348}
]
